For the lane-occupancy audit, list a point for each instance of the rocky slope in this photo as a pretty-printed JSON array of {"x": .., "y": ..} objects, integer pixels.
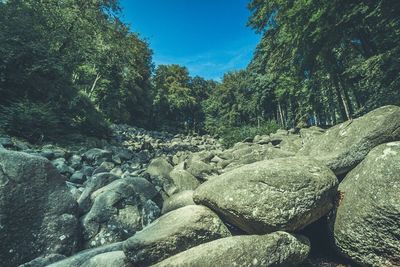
[{"x": 149, "y": 198}]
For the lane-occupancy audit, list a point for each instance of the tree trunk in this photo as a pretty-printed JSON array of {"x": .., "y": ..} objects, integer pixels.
[{"x": 98, "y": 76}]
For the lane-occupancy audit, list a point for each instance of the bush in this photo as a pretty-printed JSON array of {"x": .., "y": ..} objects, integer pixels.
[
  {"x": 231, "y": 136},
  {"x": 34, "y": 122},
  {"x": 86, "y": 119}
]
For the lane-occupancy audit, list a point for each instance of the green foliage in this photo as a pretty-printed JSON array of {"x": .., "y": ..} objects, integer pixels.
[
  {"x": 55, "y": 52},
  {"x": 178, "y": 98},
  {"x": 325, "y": 61},
  {"x": 33, "y": 121},
  {"x": 86, "y": 119},
  {"x": 231, "y": 136}
]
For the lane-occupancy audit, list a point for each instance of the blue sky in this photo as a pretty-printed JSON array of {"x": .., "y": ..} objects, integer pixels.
[{"x": 209, "y": 37}]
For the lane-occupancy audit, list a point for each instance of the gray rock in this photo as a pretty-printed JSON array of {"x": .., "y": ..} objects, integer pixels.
[
  {"x": 97, "y": 155},
  {"x": 183, "y": 180},
  {"x": 172, "y": 233},
  {"x": 150, "y": 212},
  {"x": 276, "y": 249},
  {"x": 200, "y": 169},
  {"x": 117, "y": 211},
  {"x": 345, "y": 145},
  {"x": 366, "y": 224},
  {"x": 44, "y": 261},
  {"x": 75, "y": 161},
  {"x": 291, "y": 143},
  {"x": 266, "y": 196},
  {"x": 62, "y": 166},
  {"x": 78, "y": 178},
  {"x": 253, "y": 154},
  {"x": 159, "y": 167},
  {"x": 37, "y": 212},
  {"x": 179, "y": 200},
  {"x": 95, "y": 182},
  {"x": 86, "y": 255},
  {"x": 6, "y": 142},
  {"x": 104, "y": 167},
  {"x": 108, "y": 259}
]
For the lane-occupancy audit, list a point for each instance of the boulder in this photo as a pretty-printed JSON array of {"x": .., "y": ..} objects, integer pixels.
[
  {"x": 183, "y": 180},
  {"x": 114, "y": 259},
  {"x": 200, "y": 169},
  {"x": 366, "y": 224},
  {"x": 116, "y": 213},
  {"x": 179, "y": 200},
  {"x": 276, "y": 249},
  {"x": 95, "y": 182},
  {"x": 38, "y": 215},
  {"x": 86, "y": 255},
  {"x": 172, "y": 233},
  {"x": 291, "y": 143},
  {"x": 44, "y": 261},
  {"x": 97, "y": 155},
  {"x": 255, "y": 153},
  {"x": 159, "y": 167},
  {"x": 266, "y": 196},
  {"x": 345, "y": 145}
]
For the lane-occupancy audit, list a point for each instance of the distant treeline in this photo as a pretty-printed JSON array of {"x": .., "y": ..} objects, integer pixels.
[{"x": 73, "y": 66}]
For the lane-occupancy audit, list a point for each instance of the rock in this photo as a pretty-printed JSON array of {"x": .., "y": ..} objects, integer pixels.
[
  {"x": 179, "y": 200},
  {"x": 116, "y": 211},
  {"x": 172, "y": 233},
  {"x": 62, "y": 167},
  {"x": 277, "y": 249},
  {"x": 253, "y": 154},
  {"x": 6, "y": 142},
  {"x": 150, "y": 212},
  {"x": 291, "y": 143},
  {"x": 159, "y": 167},
  {"x": 104, "y": 167},
  {"x": 97, "y": 155},
  {"x": 366, "y": 225},
  {"x": 44, "y": 261},
  {"x": 87, "y": 170},
  {"x": 78, "y": 178},
  {"x": 199, "y": 169},
  {"x": 345, "y": 145},
  {"x": 183, "y": 180},
  {"x": 266, "y": 196},
  {"x": 114, "y": 259},
  {"x": 75, "y": 161},
  {"x": 95, "y": 182},
  {"x": 86, "y": 255},
  {"x": 38, "y": 214},
  {"x": 308, "y": 134}
]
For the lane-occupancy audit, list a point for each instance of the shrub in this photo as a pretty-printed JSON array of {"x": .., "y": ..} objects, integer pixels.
[
  {"x": 232, "y": 135},
  {"x": 32, "y": 121},
  {"x": 86, "y": 119}
]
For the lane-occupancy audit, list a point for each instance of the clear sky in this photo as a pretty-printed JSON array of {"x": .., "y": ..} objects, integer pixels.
[{"x": 209, "y": 37}]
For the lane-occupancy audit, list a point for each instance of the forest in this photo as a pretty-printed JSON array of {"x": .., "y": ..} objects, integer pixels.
[{"x": 74, "y": 66}]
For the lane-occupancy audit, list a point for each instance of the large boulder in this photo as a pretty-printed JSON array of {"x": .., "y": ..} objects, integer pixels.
[
  {"x": 255, "y": 153},
  {"x": 266, "y": 196},
  {"x": 172, "y": 233},
  {"x": 366, "y": 224},
  {"x": 38, "y": 215},
  {"x": 183, "y": 180},
  {"x": 95, "y": 182},
  {"x": 179, "y": 200},
  {"x": 277, "y": 249},
  {"x": 159, "y": 167},
  {"x": 118, "y": 211},
  {"x": 114, "y": 259},
  {"x": 345, "y": 145},
  {"x": 86, "y": 256}
]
